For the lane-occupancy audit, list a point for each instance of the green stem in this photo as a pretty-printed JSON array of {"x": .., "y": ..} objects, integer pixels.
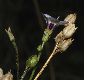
[
  {"x": 12, "y": 39},
  {"x": 17, "y": 58},
  {"x": 39, "y": 55},
  {"x": 24, "y": 73},
  {"x": 32, "y": 74},
  {"x": 40, "y": 52},
  {"x": 45, "y": 38}
]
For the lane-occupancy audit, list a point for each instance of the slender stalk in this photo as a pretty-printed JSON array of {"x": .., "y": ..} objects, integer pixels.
[
  {"x": 24, "y": 73},
  {"x": 45, "y": 38},
  {"x": 17, "y": 58},
  {"x": 51, "y": 68},
  {"x": 12, "y": 39},
  {"x": 32, "y": 74},
  {"x": 39, "y": 55},
  {"x": 46, "y": 63}
]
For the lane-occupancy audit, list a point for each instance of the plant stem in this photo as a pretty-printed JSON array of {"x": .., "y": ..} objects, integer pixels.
[
  {"x": 17, "y": 58},
  {"x": 45, "y": 38},
  {"x": 46, "y": 63},
  {"x": 40, "y": 52},
  {"x": 39, "y": 55},
  {"x": 24, "y": 73},
  {"x": 12, "y": 39},
  {"x": 32, "y": 74}
]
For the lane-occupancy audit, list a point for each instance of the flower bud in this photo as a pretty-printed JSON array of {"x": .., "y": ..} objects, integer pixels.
[
  {"x": 46, "y": 35},
  {"x": 70, "y": 18},
  {"x": 32, "y": 61},
  {"x": 65, "y": 44},
  {"x": 69, "y": 30}
]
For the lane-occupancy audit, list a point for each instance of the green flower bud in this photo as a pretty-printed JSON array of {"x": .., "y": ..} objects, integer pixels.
[
  {"x": 32, "y": 61},
  {"x": 46, "y": 35},
  {"x": 39, "y": 48}
]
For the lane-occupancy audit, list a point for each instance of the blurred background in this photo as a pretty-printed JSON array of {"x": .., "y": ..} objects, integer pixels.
[{"x": 27, "y": 24}]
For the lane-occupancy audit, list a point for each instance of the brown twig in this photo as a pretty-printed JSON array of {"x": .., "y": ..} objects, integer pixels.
[{"x": 46, "y": 63}]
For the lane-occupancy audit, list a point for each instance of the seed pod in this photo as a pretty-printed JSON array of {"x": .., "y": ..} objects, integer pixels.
[
  {"x": 59, "y": 37},
  {"x": 8, "y": 76},
  {"x": 65, "y": 44},
  {"x": 70, "y": 18},
  {"x": 69, "y": 30}
]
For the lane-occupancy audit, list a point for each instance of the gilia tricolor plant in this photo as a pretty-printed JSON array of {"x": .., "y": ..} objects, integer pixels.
[{"x": 62, "y": 41}]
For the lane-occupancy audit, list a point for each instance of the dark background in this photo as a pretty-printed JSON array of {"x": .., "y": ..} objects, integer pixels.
[{"x": 27, "y": 24}]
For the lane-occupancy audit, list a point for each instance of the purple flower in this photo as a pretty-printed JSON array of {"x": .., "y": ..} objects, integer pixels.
[{"x": 53, "y": 22}]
